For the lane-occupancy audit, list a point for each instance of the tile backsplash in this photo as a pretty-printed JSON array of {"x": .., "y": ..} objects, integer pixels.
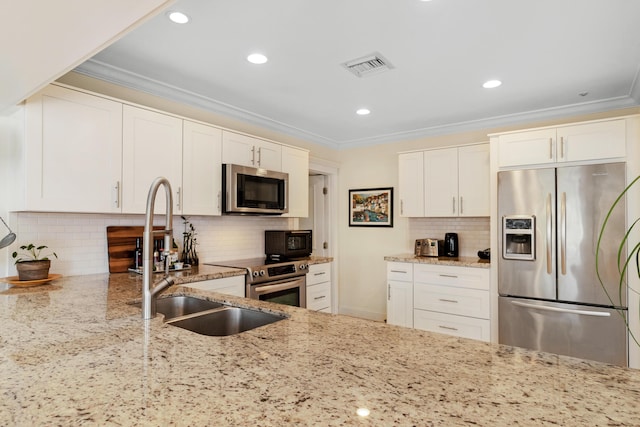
[
  {"x": 473, "y": 232},
  {"x": 80, "y": 240}
]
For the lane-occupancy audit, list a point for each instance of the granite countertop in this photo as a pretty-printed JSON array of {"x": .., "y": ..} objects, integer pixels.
[
  {"x": 76, "y": 352},
  {"x": 455, "y": 262}
]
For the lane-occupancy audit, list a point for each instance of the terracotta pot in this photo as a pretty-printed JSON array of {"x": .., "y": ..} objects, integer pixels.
[{"x": 33, "y": 270}]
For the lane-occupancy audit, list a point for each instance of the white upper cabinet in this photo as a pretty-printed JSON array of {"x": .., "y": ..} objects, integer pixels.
[
  {"x": 295, "y": 162},
  {"x": 152, "y": 147},
  {"x": 447, "y": 182},
  {"x": 591, "y": 141},
  {"x": 411, "y": 184},
  {"x": 72, "y": 152},
  {"x": 473, "y": 180},
  {"x": 527, "y": 148},
  {"x": 574, "y": 143},
  {"x": 201, "y": 170},
  {"x": 441, "y": 182},
  {"x": 246, "y": 150},
  {"x": 82, "y": 152}
]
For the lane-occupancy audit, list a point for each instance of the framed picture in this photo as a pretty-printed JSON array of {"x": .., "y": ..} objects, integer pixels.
[{"x": 371, "y": 207}]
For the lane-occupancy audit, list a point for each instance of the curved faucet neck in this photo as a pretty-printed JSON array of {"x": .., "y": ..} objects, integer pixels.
[{"x": 149, "y": 294}]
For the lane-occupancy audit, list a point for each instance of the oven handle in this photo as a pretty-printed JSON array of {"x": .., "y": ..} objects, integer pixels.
[{"x": 259, "y": 290}]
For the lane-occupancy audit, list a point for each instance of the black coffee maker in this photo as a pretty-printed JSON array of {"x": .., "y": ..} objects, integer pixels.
[{"x": 451, "y": 245}]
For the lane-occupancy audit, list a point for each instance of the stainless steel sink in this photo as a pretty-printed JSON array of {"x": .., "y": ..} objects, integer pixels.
[
  {"x": 177, "y": 306},
  {"x": 225, "y": 321},
  {"x": 211, "y": 318}
]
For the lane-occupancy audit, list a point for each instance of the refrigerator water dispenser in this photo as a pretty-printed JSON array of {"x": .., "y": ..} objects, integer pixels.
[{"x": 519, "y": 234}]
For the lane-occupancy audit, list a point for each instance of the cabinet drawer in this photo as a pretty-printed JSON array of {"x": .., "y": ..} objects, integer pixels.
[
  {"x": 318, "y": 273},
  {"x": 402, "y": 271},
  {"x": 319, "y": 296},
  {"x": 460, "y": 326},
  {"x": 451, "y": 300},
  {"x": 461, "y": 277}
]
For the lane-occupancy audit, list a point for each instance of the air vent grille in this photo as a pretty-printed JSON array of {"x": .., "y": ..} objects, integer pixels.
[{"x": 368, "y": 65}]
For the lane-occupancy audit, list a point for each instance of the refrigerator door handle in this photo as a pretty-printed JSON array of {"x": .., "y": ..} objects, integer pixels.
[
  {"x": 549, "y": 240},
  {"x": 563, "y": 234},
  {"x": 562, "y": 310}
]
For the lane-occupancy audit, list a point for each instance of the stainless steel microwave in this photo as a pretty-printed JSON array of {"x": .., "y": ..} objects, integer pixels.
[{"x": 247, "y": 190}]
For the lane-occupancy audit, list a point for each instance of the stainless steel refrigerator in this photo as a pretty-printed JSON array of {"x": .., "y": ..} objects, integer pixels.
[{"x": 550, "y": 297}]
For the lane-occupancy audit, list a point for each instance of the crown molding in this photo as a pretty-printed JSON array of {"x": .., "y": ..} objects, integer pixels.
[{"x": 118, "y": 76}]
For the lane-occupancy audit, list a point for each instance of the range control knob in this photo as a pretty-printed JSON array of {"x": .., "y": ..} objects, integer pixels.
[
  {"x": 303, "y": 266},
  {"x": 255, "y": 274},
  {"x": 261, "y": 272}
]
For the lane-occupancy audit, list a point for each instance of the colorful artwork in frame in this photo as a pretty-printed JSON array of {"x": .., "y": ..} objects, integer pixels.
[{"x": 371, "y": 207}]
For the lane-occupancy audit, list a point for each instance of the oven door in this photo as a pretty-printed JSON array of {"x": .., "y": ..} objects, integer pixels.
[{"x": 289, "y": 291}]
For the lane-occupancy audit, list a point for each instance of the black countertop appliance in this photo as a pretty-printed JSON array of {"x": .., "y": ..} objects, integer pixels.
[{"x": 451, "y": 245}]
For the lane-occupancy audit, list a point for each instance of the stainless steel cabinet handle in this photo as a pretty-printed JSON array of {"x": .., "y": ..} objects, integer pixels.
[
  {"x": 117, "y": 188},
  {"x": 448, "y": 275},
  {"x": 562, "y": 310},
  {"x": 448, "y": 300},
  {"x": 447, "y": 327},
  {"x": 399, "y": 271},
  {"x": 401, "y": 207},
  {"x": 548, "y": 241},
  {"x": 563, "y": 234},
  {"x": 219, "y": 198},
  {"x": 389, "y": 291},
  {"x": 562, "y": 147},
  {"x": 178, "y": 196},
  {"x": 551, "y": 148},
  {"x": 320, "y": 297},
  {"x": 319, "y": 274},
  {"x": 454, "y": 205},
  {"x": 253, "y": 155},
  {"x": 461, "y": 206},
  {"x": 259, "y": 156}
]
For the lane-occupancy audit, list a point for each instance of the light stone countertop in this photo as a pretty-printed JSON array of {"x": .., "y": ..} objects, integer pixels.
[
  {"x": 75, "y": 352},
  {"x": 474, "y": 262}
]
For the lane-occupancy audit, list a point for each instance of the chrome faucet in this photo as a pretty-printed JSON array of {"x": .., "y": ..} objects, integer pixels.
[{"x": 149, "y": 294}]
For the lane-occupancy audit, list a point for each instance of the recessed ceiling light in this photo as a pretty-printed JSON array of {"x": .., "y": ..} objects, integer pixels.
[
  {"x": 178, "y": 17},
  {"x": 363, "y": 111},
  {"x": 491, "y": 84},
  {"x": 257, "y": 58}
]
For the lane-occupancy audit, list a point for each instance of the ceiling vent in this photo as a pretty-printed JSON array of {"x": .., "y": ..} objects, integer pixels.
[{"x": 368, "y": 65}]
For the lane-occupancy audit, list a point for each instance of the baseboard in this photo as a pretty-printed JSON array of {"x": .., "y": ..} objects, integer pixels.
[{"x": 369, "y": 315}]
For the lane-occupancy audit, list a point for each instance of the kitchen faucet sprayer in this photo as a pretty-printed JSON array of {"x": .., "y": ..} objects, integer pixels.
[{"x": 149, "y": 295}]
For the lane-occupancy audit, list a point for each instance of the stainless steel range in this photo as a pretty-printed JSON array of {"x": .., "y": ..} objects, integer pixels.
[{"x": 282, "y": 282}]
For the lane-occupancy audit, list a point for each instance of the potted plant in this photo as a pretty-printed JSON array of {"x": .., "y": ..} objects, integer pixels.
[
  {"x": 625, "y": 264},
  {"x": 189, "y": 254},
  {"x": 32, "y": 263}
]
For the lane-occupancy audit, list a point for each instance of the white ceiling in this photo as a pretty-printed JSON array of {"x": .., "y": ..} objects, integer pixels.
[{"x": 546, "y": 52}]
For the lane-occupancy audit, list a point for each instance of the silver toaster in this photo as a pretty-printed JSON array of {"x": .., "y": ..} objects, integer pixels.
[{"x": 428, "y": 247}]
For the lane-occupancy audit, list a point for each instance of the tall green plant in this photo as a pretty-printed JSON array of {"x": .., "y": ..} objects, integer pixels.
[{"x": 623, "y": 267}]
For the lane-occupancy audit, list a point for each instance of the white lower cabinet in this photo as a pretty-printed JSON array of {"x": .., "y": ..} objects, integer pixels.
[
  {"x": 233, "y": 285},
  {"x": 319, "y": 287},
  {"x": 400, "y": 294},
  {"x": 452, "y": 300},
  {"x": 439, "y": 298},
  {"x": 460, "y": 326}
]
